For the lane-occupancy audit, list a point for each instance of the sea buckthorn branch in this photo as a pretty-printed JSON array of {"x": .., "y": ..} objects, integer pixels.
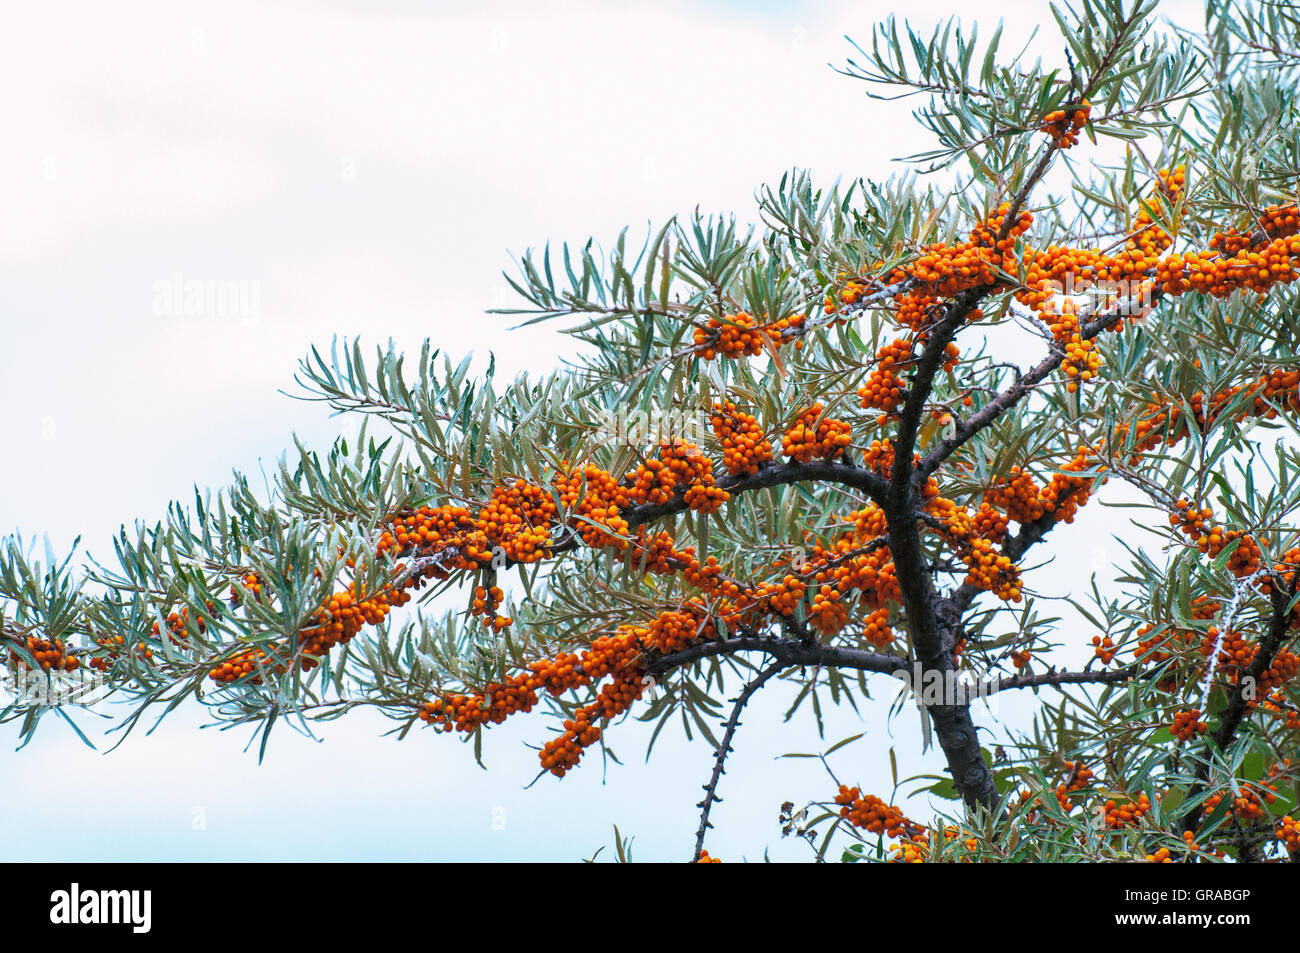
[
  {"x": 1253, "y": 669},
  {"x": 857, "y": 307},
  {"x": 1023, "y": 386},
  {"x": 618, "y": 654},
  {"x": 920, "y": 384},
  {"x": 1263, "y": 392},
  {"x": 1164, "y": 423},
  {"x": 660, "y": 648},
  {"x": 1240, "y": 590},
  {"x": 1240, "y": 701},
  {"x": 790, "y": 653},
  {"x": 935, "y": 631},
  {"x": 934, "y": 637},
  {"x": 724, "y": 748},
  {"x": 1255, "y": 261},
  {"x": 765, "y": 476},
  {"x": 771, "y": 475},
  {"x": 1054, "y": 677},
  {"x": 812, "y": 436},
  {"x": 457, "y": 555}
]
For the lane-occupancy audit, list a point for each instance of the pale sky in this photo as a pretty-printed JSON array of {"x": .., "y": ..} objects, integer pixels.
[{"x": 368, "y": 166}]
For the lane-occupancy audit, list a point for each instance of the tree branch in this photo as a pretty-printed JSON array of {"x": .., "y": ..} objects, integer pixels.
[
  {"x": 724, "y": 748},
  {"x": 1024, "y": 384},
  {"x": 920, "y": 384},
  {"x": 1238, "y": 708},
  {"x": 790, "y": 652},
  {"x": 1054, "y": 677}
]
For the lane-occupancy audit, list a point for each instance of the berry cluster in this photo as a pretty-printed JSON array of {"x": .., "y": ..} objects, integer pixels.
[
  {"x": 1248, "y": 804},
  {"x": 739, "y": 335},
  {"x": 1187, "y": 725},
  {"x": 854, "y": 290},
  {"x": 617, "y": 655},
  {"x": 884, "y": 389},
  {"x": 1018, "y": 497},
  {"x": 52, "y": 655},
  {"x": 1288, "y": 832},
  {"x": 1165, "y": 856},
  {"x": 1212, "y": 540},
  {"x": 242, "y": 665},
  {"x": 870, "y": 813},
  {"x": 686, "y": 466},
  {"x": 972, "y": 538},
  {"x": 1022, "y": 499},
  {"x": 1128, "y": 814},
  {"x": 487, "y": 600},
  {"x": 992, "y": 571},
  {"x": 113, "y": 647},
  {"x": 1287, "y": 571},
  {"x": 876, "y": 630},
  {"x": 564, "y": 752},
  {"x": 250, "y": 581},
  {"x": 1078, "y": 777},
  {"x": 744, "y": 446},
  {"x": 1081, "y": 361},
  {"x": 943, "y": 271},
  {"x": 178, "y": 625},
  {"x": 1063, "y": 125},
  {"x": 340, "y": 619},
  {"x": 814, "y": 436},
  {"x": 1103, "y": 647},
  {"x": 1255, "y": 266},
  {"x": 732, "y": 336}
]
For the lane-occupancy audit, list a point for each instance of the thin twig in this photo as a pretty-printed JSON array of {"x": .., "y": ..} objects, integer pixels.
[{"x": 724, "y": 748}]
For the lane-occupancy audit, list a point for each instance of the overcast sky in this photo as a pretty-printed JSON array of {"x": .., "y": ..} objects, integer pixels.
[{"x": 365, "y": 168}]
